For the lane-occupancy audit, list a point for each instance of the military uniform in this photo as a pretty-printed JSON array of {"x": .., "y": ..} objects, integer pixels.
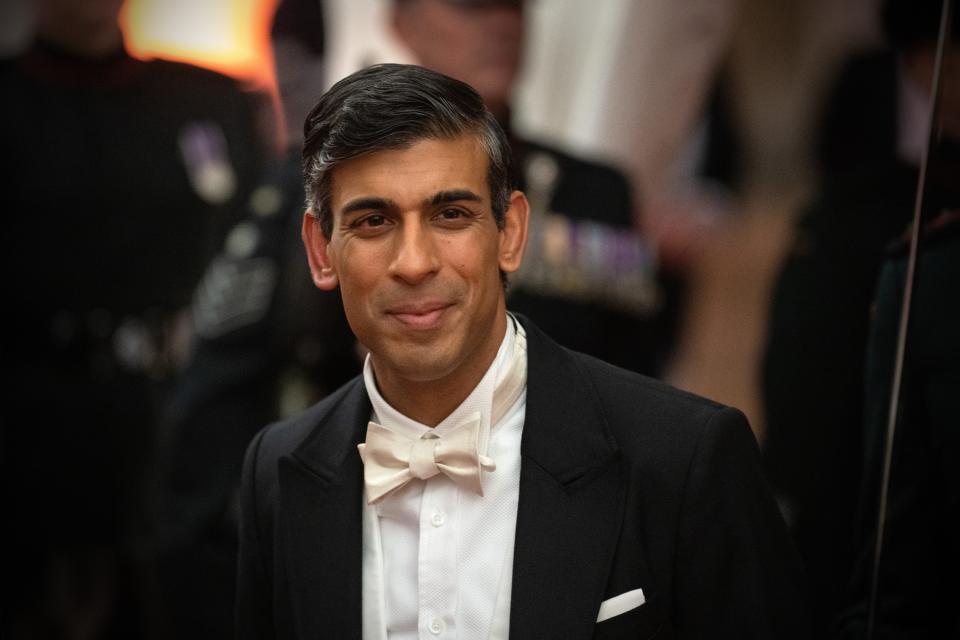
[
  {"x": 588, "y": 279},
  {"x": 118, "y": 175},
  {"x": 266, "y": 343}
]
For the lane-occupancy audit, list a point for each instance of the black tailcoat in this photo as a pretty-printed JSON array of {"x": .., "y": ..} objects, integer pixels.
[{"x": 625, "y": 483}]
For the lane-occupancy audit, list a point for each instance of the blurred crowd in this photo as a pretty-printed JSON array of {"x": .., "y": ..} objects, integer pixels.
[{"x": 169, "y": 313}]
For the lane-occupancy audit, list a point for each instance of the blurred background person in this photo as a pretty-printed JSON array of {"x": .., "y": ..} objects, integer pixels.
[
  {"x": 266, "y": 344},
  {"x": 588, "y": 279},
  {"x": 920, "y": 559},
  {"x": 119, "y": 177},
  {"x": 874, "y": 131}
]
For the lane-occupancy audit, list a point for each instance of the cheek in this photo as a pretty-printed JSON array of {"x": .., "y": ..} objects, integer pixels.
[
  {"x": 472, "y": 260},
  {"x": 356, "y": 292},
  {"x": 356, "y": 299},
  {"x": 351, "y": 310},
  {"x": 358, "y": 270}
]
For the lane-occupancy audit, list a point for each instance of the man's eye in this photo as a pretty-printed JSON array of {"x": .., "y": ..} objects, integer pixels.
[
  {"x": 451, "y": 214},
  {"x": 375, "y": 220}
]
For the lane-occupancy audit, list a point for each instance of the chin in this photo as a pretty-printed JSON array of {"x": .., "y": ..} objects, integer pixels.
[{"x": 419, "y": 362}]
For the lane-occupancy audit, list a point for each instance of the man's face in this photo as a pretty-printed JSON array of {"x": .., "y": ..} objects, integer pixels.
[
  {"x": 417, "y": 256},
  {"x": 478, "y": 42}
]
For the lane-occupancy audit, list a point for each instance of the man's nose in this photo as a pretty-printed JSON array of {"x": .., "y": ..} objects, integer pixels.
[{"x": 415, "y": 257}]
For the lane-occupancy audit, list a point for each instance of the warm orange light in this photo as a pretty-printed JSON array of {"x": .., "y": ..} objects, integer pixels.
[{"x": 230, "y": 36}]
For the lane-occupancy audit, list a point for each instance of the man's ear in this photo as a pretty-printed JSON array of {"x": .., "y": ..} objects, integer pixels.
[
  {"x": 513, "y": 236},
  {"x": 317, "y": 245}
]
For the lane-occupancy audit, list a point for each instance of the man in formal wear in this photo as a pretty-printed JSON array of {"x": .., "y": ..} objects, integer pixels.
[{"x": 478, "y": 480}]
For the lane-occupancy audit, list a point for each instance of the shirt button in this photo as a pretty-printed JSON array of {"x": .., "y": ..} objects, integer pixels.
[
  {"x": 436, "y": 626},
  {"x": 437, "y": 519}
]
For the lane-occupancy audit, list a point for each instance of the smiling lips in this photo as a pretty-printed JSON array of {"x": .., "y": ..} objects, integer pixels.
[{"x": 420, "y": 316}]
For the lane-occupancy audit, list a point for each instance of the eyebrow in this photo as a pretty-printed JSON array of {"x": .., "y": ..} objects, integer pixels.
[
  {"x": 363, "y": 204},
  {"x": 441, "y": 197},
  {"x": 454, "y": 195}
]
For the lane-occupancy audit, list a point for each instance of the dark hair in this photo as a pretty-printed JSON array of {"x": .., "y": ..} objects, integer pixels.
[{"x": 392, "y": 106}]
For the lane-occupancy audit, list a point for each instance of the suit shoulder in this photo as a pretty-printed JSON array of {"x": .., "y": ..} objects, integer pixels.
[
  {"x": 610, "y": 376},
  {"x": 639, "y": 408}
]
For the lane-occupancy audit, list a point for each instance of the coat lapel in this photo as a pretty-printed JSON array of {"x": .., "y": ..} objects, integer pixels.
[
  {"x": 572, "y": 494},
  {"x": 321, "y": 493}
]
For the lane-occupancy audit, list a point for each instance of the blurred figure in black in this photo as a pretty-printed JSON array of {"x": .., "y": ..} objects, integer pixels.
[
  {"x": 588, "y": 280},
  {"x": 874, "y": 130},
  {"x": 917, "y": 590},
  {"x": 267, "y": 343},
  {"x": 118, "y": 176}
]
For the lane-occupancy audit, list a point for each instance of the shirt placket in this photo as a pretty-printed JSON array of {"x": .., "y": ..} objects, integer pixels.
[{"x": 437, "y": 564}]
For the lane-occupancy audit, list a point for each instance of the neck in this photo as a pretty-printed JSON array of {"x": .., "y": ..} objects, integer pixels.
[{"x": 430, "y": 401}]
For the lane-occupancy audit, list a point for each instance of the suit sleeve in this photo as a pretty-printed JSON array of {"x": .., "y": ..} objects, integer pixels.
[
  {"x": 254, "y": 612},
  {"x": 738, "y": 573}
]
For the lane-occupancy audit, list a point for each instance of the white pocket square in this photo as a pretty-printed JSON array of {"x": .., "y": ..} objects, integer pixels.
[{"x": 620, "y": 604}]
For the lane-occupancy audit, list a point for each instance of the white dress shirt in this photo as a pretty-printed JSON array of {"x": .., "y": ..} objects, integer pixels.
[{"x": 438, "y": 559}]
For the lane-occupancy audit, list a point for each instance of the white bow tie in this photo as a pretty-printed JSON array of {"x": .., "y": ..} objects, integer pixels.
[{"x": 392, "y": 460}]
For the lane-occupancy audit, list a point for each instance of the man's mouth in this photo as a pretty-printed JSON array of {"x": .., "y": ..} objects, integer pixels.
[{"x": 420, "y": 316}]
